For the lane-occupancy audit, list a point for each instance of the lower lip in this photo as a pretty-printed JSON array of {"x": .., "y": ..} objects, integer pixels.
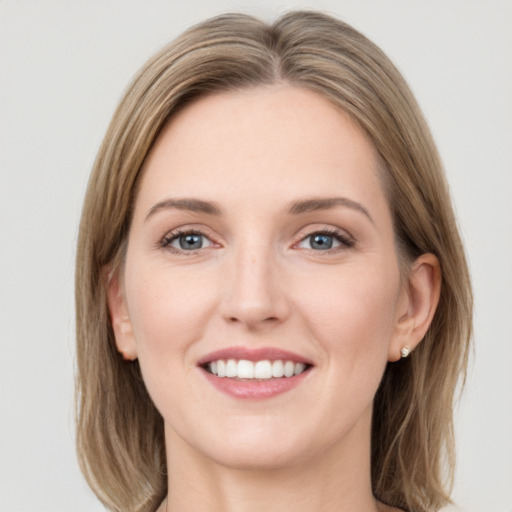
[{"x": 255, "y": 389}]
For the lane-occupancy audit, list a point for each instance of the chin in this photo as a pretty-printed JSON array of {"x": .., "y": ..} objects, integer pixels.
[
  {"x": 265, "y": 446},
  {"x": 259, "y": 458}
]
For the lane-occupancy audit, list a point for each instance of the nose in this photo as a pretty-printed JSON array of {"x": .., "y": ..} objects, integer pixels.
[{"x": 254, "y": 291}]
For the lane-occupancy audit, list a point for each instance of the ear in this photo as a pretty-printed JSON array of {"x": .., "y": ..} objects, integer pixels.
[
  {"x": 417, "y": 305},
  {"x": 119, "y": 317}
]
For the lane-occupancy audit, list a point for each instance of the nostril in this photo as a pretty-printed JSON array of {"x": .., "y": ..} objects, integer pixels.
[
  {"x": 253, "y": 324},
  {"x": 270, "y": 319}
]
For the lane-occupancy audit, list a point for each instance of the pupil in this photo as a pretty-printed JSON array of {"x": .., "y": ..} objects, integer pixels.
[
  {"x": 190, "y": 242},
  {"x": 321, "y": 242}
]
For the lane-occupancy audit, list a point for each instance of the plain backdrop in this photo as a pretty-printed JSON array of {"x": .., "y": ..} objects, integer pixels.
[{"x": 63, "y": 67}]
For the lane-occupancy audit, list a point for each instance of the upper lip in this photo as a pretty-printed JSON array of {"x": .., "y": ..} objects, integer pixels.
[{"x": 252, "y": 354}]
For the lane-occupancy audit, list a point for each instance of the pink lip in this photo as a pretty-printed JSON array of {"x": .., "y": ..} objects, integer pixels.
[
  {"x": 253, "y": 389},
  {"x": 259, "y": 354}
]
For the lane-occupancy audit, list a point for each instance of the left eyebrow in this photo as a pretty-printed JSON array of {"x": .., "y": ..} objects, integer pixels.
[{"x": 316, "y": 204}]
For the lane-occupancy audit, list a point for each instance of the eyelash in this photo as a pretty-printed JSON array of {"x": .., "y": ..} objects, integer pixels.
[
  {"x": 346, "y": 242},
  {"x": 177, "y": 233}
]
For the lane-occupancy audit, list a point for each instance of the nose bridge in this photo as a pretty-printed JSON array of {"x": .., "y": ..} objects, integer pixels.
[{"x": 254, "y": 295}]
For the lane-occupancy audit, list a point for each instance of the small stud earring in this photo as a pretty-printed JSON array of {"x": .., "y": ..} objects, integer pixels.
[{"x": 405, "y": 351}]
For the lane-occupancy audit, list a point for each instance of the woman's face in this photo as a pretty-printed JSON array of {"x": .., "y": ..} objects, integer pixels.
[{"x": 261, "y": 234}]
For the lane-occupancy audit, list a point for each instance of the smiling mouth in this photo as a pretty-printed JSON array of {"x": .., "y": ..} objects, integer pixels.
[
  {"x": 261, "y": 370},
  {"x": 254, "y": 373}
]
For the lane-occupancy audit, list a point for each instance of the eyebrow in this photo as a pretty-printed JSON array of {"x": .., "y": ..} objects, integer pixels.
[
  {"x": 189, "y": 204},
  {"x": 296, "y": 208},
  {"x": 316, "y": 204}
]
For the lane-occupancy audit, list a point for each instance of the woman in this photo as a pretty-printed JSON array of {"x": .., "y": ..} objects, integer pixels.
[{"x": 273, "y": 304}]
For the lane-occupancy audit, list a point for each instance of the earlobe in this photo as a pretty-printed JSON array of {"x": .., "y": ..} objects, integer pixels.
[
  {"x": 417, "y": 306},
  {"x": 119, "y": 317}
]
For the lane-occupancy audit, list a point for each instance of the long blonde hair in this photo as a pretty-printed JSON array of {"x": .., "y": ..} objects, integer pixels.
[{"x": 119, "y": 431}]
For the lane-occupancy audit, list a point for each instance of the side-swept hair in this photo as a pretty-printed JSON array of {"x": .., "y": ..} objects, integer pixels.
[{"x": 120, "y": 432}]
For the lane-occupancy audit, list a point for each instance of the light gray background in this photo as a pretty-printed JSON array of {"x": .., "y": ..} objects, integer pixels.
[{"x": 63, "y": 66}]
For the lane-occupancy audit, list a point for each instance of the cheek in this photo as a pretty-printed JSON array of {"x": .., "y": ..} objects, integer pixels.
[
  {"x": 349, "y": 313},
  {"x": 352, "y": 311},
  {"x": 169, "y": 314},
  {"x": 166, "y": 309}
]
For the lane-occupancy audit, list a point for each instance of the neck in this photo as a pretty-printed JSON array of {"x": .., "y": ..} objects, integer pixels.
[{"x": 338, "y": 479}]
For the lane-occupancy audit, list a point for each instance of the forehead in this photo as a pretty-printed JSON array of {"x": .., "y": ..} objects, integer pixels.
[{"x": 272, "y": 143}]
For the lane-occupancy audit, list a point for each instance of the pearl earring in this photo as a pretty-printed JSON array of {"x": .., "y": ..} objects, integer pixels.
[{"x": 405, "y": 351}]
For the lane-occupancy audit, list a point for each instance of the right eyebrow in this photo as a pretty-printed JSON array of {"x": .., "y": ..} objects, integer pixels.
[{"x": 192, "y": 205}]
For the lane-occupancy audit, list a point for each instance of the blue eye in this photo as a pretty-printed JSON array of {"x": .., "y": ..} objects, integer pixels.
[
  {"x": 190, "y": 242},
  {"x": 325, "y": 241},
  {"x": 187, "y": 242},
  {"x": 321, "y": 242}
]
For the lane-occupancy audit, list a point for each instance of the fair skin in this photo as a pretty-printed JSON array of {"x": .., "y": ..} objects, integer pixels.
[{"x": 227, "y": 251}]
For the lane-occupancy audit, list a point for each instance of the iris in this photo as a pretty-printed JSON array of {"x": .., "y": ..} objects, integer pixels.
[
  {"x": 321, "y": 241},
  {"x": 191, "y": 242}
]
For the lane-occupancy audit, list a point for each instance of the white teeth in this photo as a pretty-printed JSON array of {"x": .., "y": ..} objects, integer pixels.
[
  {"x": 277, "y": 369},
  {"x": 263, "y": 370},
  {"x": 231, "y": 370},
  {"x": 289, "y": 369},
  {"x": 245, "y": 369},
  {"x": 299, "y": 368},
  {"x": 221, "y": 368}
]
